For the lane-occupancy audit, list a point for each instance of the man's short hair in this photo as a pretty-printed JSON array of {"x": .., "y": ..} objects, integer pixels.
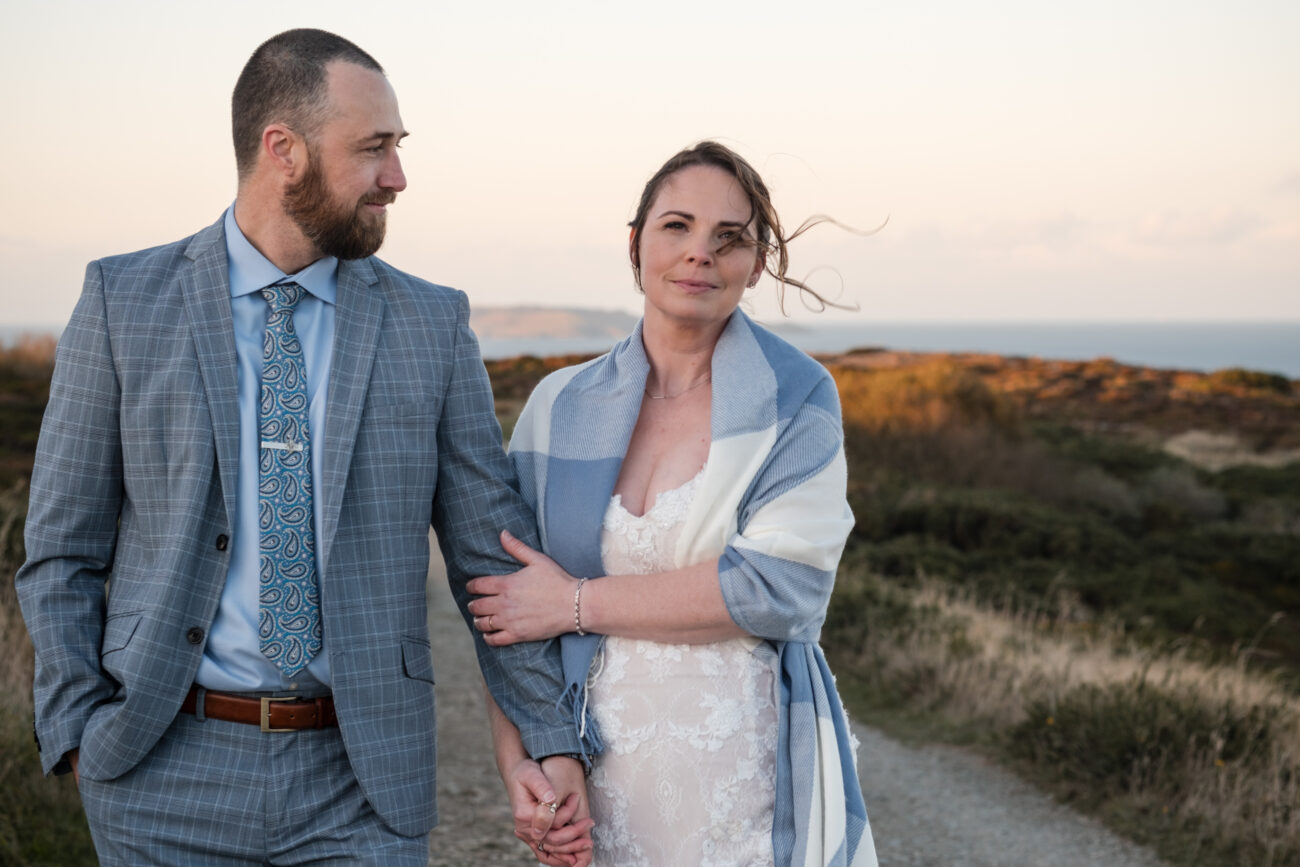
[{"x": 284, "y": 82}]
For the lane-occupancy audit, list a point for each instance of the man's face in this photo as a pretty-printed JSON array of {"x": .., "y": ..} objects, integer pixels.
[{"x": 353, "y": 171}]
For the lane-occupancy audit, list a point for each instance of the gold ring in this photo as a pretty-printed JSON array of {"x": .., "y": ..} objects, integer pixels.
[
  {"x": 491, "y": 628},
  {"x": 553, "y": 807}
]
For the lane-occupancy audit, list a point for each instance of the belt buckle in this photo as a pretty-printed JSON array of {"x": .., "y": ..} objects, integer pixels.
[{"x": 266, "y": 711}]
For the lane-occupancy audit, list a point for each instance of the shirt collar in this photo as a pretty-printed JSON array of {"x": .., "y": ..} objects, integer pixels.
[{"x": 250, "y": 270}]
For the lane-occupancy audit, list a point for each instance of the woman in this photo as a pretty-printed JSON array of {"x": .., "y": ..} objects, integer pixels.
[{"x": 693, "y": 480}]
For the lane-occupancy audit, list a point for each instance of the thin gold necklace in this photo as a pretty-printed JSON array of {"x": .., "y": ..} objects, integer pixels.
[{"x": 694, "y": 385}]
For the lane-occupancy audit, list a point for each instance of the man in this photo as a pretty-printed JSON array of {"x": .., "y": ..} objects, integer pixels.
[{"x": 249, "y": 434}]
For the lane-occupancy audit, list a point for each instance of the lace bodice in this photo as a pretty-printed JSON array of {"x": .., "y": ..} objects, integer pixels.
[
  {"x": 644, "y": 544},
  {"x": 688, "y": 775}
]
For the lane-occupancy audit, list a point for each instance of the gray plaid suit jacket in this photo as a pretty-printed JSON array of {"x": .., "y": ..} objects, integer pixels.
[{"x": 133, "y": 492}]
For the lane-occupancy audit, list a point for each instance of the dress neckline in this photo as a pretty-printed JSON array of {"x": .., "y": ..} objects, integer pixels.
[{"x": 683, "y": 491}]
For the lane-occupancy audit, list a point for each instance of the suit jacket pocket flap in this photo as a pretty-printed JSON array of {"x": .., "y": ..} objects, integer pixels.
[
  {"x": 417, "y": 660},
  {"x": 118, "y": 630}
]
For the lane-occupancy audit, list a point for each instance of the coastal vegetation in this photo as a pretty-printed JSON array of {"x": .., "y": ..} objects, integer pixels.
[
  {"x": 1044, "y": 567},
  {"x": 1087, "y": 570},
  {"x": 40, "y": 818}
]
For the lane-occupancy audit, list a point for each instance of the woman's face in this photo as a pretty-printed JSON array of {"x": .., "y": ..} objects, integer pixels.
[{"x": 692, "y": 271}]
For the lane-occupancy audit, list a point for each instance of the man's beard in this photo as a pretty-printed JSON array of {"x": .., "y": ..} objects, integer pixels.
[{"x": 336, "y": 230}]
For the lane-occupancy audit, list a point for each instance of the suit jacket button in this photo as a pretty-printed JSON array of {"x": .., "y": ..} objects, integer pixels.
[
  {"x": 194, "y": 636},
  {"x": 222, "y": 542}
]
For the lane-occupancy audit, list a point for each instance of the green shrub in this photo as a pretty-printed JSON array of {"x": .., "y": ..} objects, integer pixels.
[
  {"x": 1118, "y": 456},
  {"x": 1208, "y": 781},
  {"x": 1180, "y": 497},
  {"x": 1011, "y": 525},
  {"x": 25, "y": 370},
  {"x": 1235, "y": 379},
  {"x": 1124, "y": 735},
  {"x": 1248, "y": 482},
  {"x": 41, "y": 821}
]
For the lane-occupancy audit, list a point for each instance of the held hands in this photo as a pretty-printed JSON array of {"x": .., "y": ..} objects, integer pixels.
[
  {"x": 533, "y": 604},
  {"x": 549, "y": 800},
  {"x": 554, "y": 820}
]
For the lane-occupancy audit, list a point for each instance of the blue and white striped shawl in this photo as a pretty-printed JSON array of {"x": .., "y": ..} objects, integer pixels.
[{"x": 770, "y": 507}]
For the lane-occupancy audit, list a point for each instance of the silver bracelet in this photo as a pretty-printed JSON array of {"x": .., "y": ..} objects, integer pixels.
[{"x": 577, "y": 606}]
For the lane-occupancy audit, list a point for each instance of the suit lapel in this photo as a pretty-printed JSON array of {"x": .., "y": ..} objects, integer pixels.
[
  {"x": 358, "y": 319},
  {"x": 206, "y": 290}
]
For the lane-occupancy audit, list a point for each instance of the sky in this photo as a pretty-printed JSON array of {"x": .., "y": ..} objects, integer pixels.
[{"x": 1069, "y": 161}]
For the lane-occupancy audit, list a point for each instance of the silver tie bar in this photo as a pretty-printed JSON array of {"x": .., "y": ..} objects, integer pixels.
[{"x": 289, "y": 446}]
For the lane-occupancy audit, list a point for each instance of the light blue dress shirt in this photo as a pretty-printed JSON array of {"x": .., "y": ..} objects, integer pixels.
[{"x": 233, "y": 660}]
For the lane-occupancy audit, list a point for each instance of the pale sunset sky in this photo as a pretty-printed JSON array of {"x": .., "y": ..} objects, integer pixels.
[{"x": 1036, "y": 161}]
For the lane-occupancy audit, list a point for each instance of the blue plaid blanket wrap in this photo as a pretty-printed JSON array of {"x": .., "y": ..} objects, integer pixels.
[{"x": 770, "y": 508}]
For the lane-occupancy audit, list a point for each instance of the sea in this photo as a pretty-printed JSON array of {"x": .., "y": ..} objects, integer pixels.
[{"x": 1271, "y": 347}]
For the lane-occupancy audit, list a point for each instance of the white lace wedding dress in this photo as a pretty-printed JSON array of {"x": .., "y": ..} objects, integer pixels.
[{"x": 688, "y": 774}]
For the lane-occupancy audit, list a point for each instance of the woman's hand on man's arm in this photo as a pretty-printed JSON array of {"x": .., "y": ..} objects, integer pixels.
[{"x": 533, "y": 604}]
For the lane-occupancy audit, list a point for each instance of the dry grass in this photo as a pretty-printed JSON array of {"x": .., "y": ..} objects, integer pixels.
[
  {"x": 1201, "y": 761},
  {"x": 1058, "y": 652},
  {"x": 41, "y": 821},
  {"x": 15, "y": 648}
]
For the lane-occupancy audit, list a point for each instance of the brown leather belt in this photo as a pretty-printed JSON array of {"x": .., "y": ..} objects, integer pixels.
[{"x": 271, "y": 714}]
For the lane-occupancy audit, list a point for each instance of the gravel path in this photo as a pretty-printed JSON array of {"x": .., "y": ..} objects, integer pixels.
[
  {"x": 937, "y": 806},
  {"x": 474, "y": 822},
  {"x": 931, "y": 806}
]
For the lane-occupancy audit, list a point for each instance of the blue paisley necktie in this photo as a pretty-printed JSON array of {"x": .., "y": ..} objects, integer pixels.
[{"x": 289, "y": 625}]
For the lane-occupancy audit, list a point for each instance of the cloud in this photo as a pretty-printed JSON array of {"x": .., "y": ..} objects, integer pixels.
[
  {"x": 1289, "y": 185},
  {"x": 1175, "y": 229},
  {"x": 1036, "y": 235}
]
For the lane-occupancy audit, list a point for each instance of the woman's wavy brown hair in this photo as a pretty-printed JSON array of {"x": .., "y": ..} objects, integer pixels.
[{"x": 769, "y": 237}]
